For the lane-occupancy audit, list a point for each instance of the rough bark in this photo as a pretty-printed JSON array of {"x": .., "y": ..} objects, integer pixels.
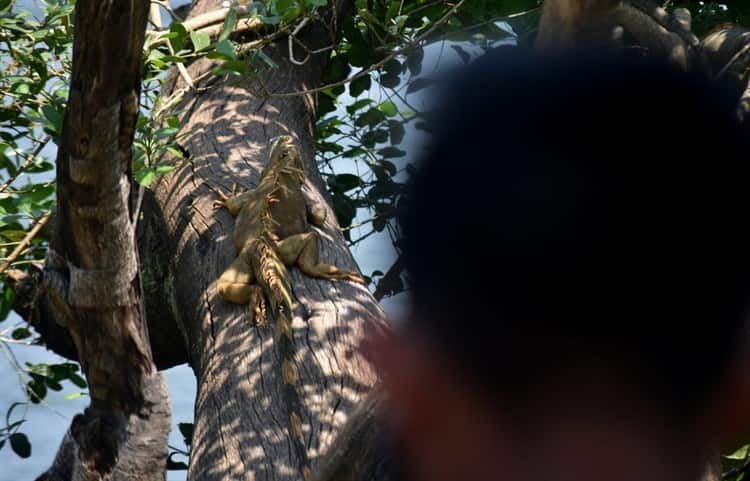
[
  {"x": 90, "y": 278},
  {"x": 362, "y": 449},
  {"x": 240, "y": 426}
]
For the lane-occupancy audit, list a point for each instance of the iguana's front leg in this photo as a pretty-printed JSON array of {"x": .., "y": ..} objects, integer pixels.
[
  {"x": 233, "y": 203},
  {"x": 236, "y": 285},
  {"x": 302, "y": 250}
]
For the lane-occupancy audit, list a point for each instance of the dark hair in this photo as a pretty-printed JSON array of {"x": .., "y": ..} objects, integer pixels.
[{"x": 588, "y": 206}]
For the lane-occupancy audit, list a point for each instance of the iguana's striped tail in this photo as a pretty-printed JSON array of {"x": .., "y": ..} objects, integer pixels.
[{"x": 271, "y": 274}]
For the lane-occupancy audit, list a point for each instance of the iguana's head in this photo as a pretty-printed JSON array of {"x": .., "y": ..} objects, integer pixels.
[
  {"x": 284, "y": 153},
  {"x": 284, "y": 161}
]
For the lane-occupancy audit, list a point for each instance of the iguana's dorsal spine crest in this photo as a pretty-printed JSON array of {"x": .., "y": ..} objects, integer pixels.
[
  {"x": 274, "y": 277},
  {"x": 274, "y": 226}
]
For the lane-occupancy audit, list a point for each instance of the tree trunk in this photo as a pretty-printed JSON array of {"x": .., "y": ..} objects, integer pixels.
[
  {"x": 240, "y": 419},
  {"x": 91, "y": 271}
]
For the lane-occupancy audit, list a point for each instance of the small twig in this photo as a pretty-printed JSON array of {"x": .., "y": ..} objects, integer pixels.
[
  {"x": 379, "y": 64},
  {"x": 29, "y": 160},
  {"x": 137, "y": 211},
  {"x": 292, "y": 37},
  {"x": 181, "y": 68},
  {"x": 154, "y": 16},
  {"x": 169, "y": 9},
  {"x": 37, "y": 226},
  {"x": 177, "y": 96},
  {"x": 210, "y": 23}
]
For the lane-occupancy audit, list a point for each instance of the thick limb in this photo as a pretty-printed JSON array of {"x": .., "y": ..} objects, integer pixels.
[
  {"x": 236, "y": 285},
  {"x": 302, "y": 250}
]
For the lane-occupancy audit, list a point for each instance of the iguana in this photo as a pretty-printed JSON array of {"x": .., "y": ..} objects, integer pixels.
[{"x": 272, "y": 231}]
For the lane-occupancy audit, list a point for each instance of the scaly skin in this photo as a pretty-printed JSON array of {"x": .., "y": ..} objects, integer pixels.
[{"x": 272, "y": 232}]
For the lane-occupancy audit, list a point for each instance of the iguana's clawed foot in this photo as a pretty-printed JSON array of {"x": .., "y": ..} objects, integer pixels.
[
  {"x": 223, "y": 200},
  {"x": 224, "y": 197},
  {"x": 346, "y": 276},
  {"x": 356, "y": 278}
]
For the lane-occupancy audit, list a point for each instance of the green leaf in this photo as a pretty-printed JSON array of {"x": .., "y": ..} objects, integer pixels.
[
  {"x": 268, "y": 60},
  {"x": 310, "y": 4},
  {"x": 360, "y": 52},
  {"x": 281, "y": 5},
  {"x": 40, "y": 165},
  {"x": 165, "y": 133},
  {"x": 375, "y": 136},
  {"x": 145, "y": 177},
  {"x": 359, "y": 85},
  {"x": 224, "y": 49},
  {"x": 390, "y": 167},
  {"x": 391, "y": 152},
  {"x": 52, "y": 384},
  {"x": 272, "y": 20},
  {"x": 291, "y": 14},
  {"x": 384, "y": 189},
  {"x": 78, "y": 380},
  {"x": 359, "y": 104},
  {"x": 173, "y": 121},
  {"x": 20, "y": 88},
  {"x": 741, "y": 454},
  {"x": 344, "y": 182},
  {"x": 338, "y": 69},
  {"x": 42, "y": 192},
  {"x": 397, "y": 131},
  {"x": 390, "y": 76},
  {"x": 344, "y": 209},
  {"x": 6, "y": 302},
  {"x": 186, "y": 429},
  {"x": 163, "y": 169},
  {"x": 372, "y": 117},
  {"x": 20, "y": 333},
  {"x": 231, "y": 67},
  {"x": 229, "y": 23},
  {"x": 20, "y": 444},
  {"x": 177, "y": 36},
  {"x": 388, "y": 108},
  {"x": 73, "y": 395},
  {"x": 200, "y": 40}
]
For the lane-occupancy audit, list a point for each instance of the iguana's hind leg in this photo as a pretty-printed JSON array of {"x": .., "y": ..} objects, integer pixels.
[
  {"x": 316, "y": 213},
  {"x": 235, "y": 285},
  {"x": 302, "y": 250}
]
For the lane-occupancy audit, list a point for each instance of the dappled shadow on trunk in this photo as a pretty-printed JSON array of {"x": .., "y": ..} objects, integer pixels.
[{"x": 240, "y": 419}]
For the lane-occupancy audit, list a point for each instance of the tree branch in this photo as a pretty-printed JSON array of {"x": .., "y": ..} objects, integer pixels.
[{"x": 36, "y": 227}]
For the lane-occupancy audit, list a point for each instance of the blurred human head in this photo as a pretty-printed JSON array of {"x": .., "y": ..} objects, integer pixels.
[{"x": 580, "y": 273}]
